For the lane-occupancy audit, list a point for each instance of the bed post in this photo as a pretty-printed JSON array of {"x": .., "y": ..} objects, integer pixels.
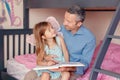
[
  {"x": 25, "y": 15},
  {"x": 1, "y": 52}
]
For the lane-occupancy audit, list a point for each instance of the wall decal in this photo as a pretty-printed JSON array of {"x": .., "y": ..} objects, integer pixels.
[
  {"x": 2, "y": 16},
  {"x": 7, "y": 13},
  {"x": 15, "y": 20}
]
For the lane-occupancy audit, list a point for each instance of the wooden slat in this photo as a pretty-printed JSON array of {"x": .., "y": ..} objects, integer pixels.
[
  {"x": 29, "y": 48},
  {"x": 1, "y": 52},
  {"x": 108, "y": 72},
  {"x": 8, "y": 47},
  {"x": 13, "y": 45},
  {"x": 68, "y": 3},
  {"x": 15, "y": 31},
  {"x": 19, "y": 44},
  {"x": 24, "y": 46},
  {"x": 106, "y": 42}
]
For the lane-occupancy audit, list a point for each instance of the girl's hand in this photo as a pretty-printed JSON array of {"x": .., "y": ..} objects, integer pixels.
[
  {"x": 49, "y": 63},
  {"x": 50, "y": 57},
  {"x": 61, "y": 69}
]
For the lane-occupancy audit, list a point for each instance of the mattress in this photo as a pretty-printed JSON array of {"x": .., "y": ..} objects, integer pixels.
[
  {"x": 16, "y": 69},
  {"x": 111, "y": 62},
  {"x": 19, "y": 66}
]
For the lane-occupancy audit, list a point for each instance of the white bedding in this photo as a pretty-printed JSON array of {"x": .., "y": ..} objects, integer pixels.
[{"x": 16, "y": 69}]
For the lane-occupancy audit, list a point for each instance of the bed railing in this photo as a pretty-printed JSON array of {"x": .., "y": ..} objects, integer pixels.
[{"x": 12, "y": 43}]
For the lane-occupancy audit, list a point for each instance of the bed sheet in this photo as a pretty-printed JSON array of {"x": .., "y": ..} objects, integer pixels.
[
  {"x": 29, "y": 60},
  {"x": 111, "y": 62},
  {"x": 19, "y": 66},
  {"x": 16, "y": 69}
]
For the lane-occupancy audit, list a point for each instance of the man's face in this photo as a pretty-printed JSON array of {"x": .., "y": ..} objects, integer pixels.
[{"x": 70, "y": 22}]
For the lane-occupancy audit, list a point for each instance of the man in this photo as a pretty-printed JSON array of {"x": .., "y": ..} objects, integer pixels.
[{"x": 79, "y": 40}]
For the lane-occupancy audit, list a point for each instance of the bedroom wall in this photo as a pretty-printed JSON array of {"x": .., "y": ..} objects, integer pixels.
[{"x": 96, "y": 21}]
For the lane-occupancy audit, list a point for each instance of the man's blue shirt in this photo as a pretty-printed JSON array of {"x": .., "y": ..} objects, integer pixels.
[{"x": 80, "y": 46}]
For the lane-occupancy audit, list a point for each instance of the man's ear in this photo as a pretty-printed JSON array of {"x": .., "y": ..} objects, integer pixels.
[
  {"x": 43, "y": 37},
  {"x": 79, "y": 23}
]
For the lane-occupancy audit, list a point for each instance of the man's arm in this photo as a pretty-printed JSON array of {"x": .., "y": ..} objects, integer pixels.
[{"x": 86, "y": 56}]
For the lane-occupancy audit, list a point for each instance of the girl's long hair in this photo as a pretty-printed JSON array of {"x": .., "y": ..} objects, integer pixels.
[{"x": 39, "y": 31}]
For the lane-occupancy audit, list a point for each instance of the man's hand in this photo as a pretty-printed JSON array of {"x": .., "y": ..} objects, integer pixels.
[{"x": 62, "y": 69}]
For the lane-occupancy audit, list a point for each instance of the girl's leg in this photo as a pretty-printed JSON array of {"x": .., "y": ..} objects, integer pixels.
[
  {"x": 65, "y": 76},
  {"x": 45, "y": 76}
]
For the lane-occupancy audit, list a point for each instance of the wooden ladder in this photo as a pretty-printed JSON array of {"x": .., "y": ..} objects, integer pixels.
[{"x": 106, "y": 41}]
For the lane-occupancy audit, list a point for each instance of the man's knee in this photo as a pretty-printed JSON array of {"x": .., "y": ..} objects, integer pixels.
[
  {"x": 31, "y": 75},
  {"x": 74, "y": 76}
]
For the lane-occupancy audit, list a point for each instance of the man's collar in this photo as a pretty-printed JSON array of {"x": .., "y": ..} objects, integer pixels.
[{"x": 80, "y": 30}]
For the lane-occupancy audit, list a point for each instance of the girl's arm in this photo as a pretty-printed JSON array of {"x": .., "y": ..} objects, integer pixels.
[
  {"x": 50, "y": 57},
  {"x": 64, "y": 49},
  {"x": 40, "y": 61},
  {"x": 43, "y": 62}
]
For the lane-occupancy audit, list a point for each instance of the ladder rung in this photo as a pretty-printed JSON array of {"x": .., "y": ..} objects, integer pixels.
[
  {"x": 112, "y": 36},
  {"x": 108, "y": 72}
]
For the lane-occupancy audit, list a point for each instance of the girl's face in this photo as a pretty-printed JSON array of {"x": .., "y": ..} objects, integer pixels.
[{"x": 50, "y": 32}]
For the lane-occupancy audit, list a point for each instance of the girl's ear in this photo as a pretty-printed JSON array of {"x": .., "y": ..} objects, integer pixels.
[{"x": 43, "y": 37}]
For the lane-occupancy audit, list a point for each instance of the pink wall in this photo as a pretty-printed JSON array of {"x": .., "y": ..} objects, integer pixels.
[{"x": 96, "y": 21}]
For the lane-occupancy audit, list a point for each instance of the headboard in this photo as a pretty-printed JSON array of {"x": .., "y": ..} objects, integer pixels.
[{"x": 11, "y": 41}]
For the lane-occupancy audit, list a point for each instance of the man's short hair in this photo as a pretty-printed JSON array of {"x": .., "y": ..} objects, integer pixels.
[{"x": 80, "y": 12}]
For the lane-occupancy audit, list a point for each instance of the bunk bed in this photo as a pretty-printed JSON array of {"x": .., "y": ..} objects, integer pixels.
[{"x": 21, "y": 34}]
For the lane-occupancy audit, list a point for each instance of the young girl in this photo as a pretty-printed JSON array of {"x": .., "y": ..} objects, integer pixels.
[{"x": 48, "y": 43}]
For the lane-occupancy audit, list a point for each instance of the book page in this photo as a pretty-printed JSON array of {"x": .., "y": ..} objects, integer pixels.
[
  {"x": 63, "y": 64},
  {"x": 71, "y": 64},
  {"x": 46, "y": 67}
]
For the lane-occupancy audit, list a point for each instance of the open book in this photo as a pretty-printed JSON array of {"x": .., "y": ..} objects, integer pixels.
[{"x": 63, "y": 64}]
